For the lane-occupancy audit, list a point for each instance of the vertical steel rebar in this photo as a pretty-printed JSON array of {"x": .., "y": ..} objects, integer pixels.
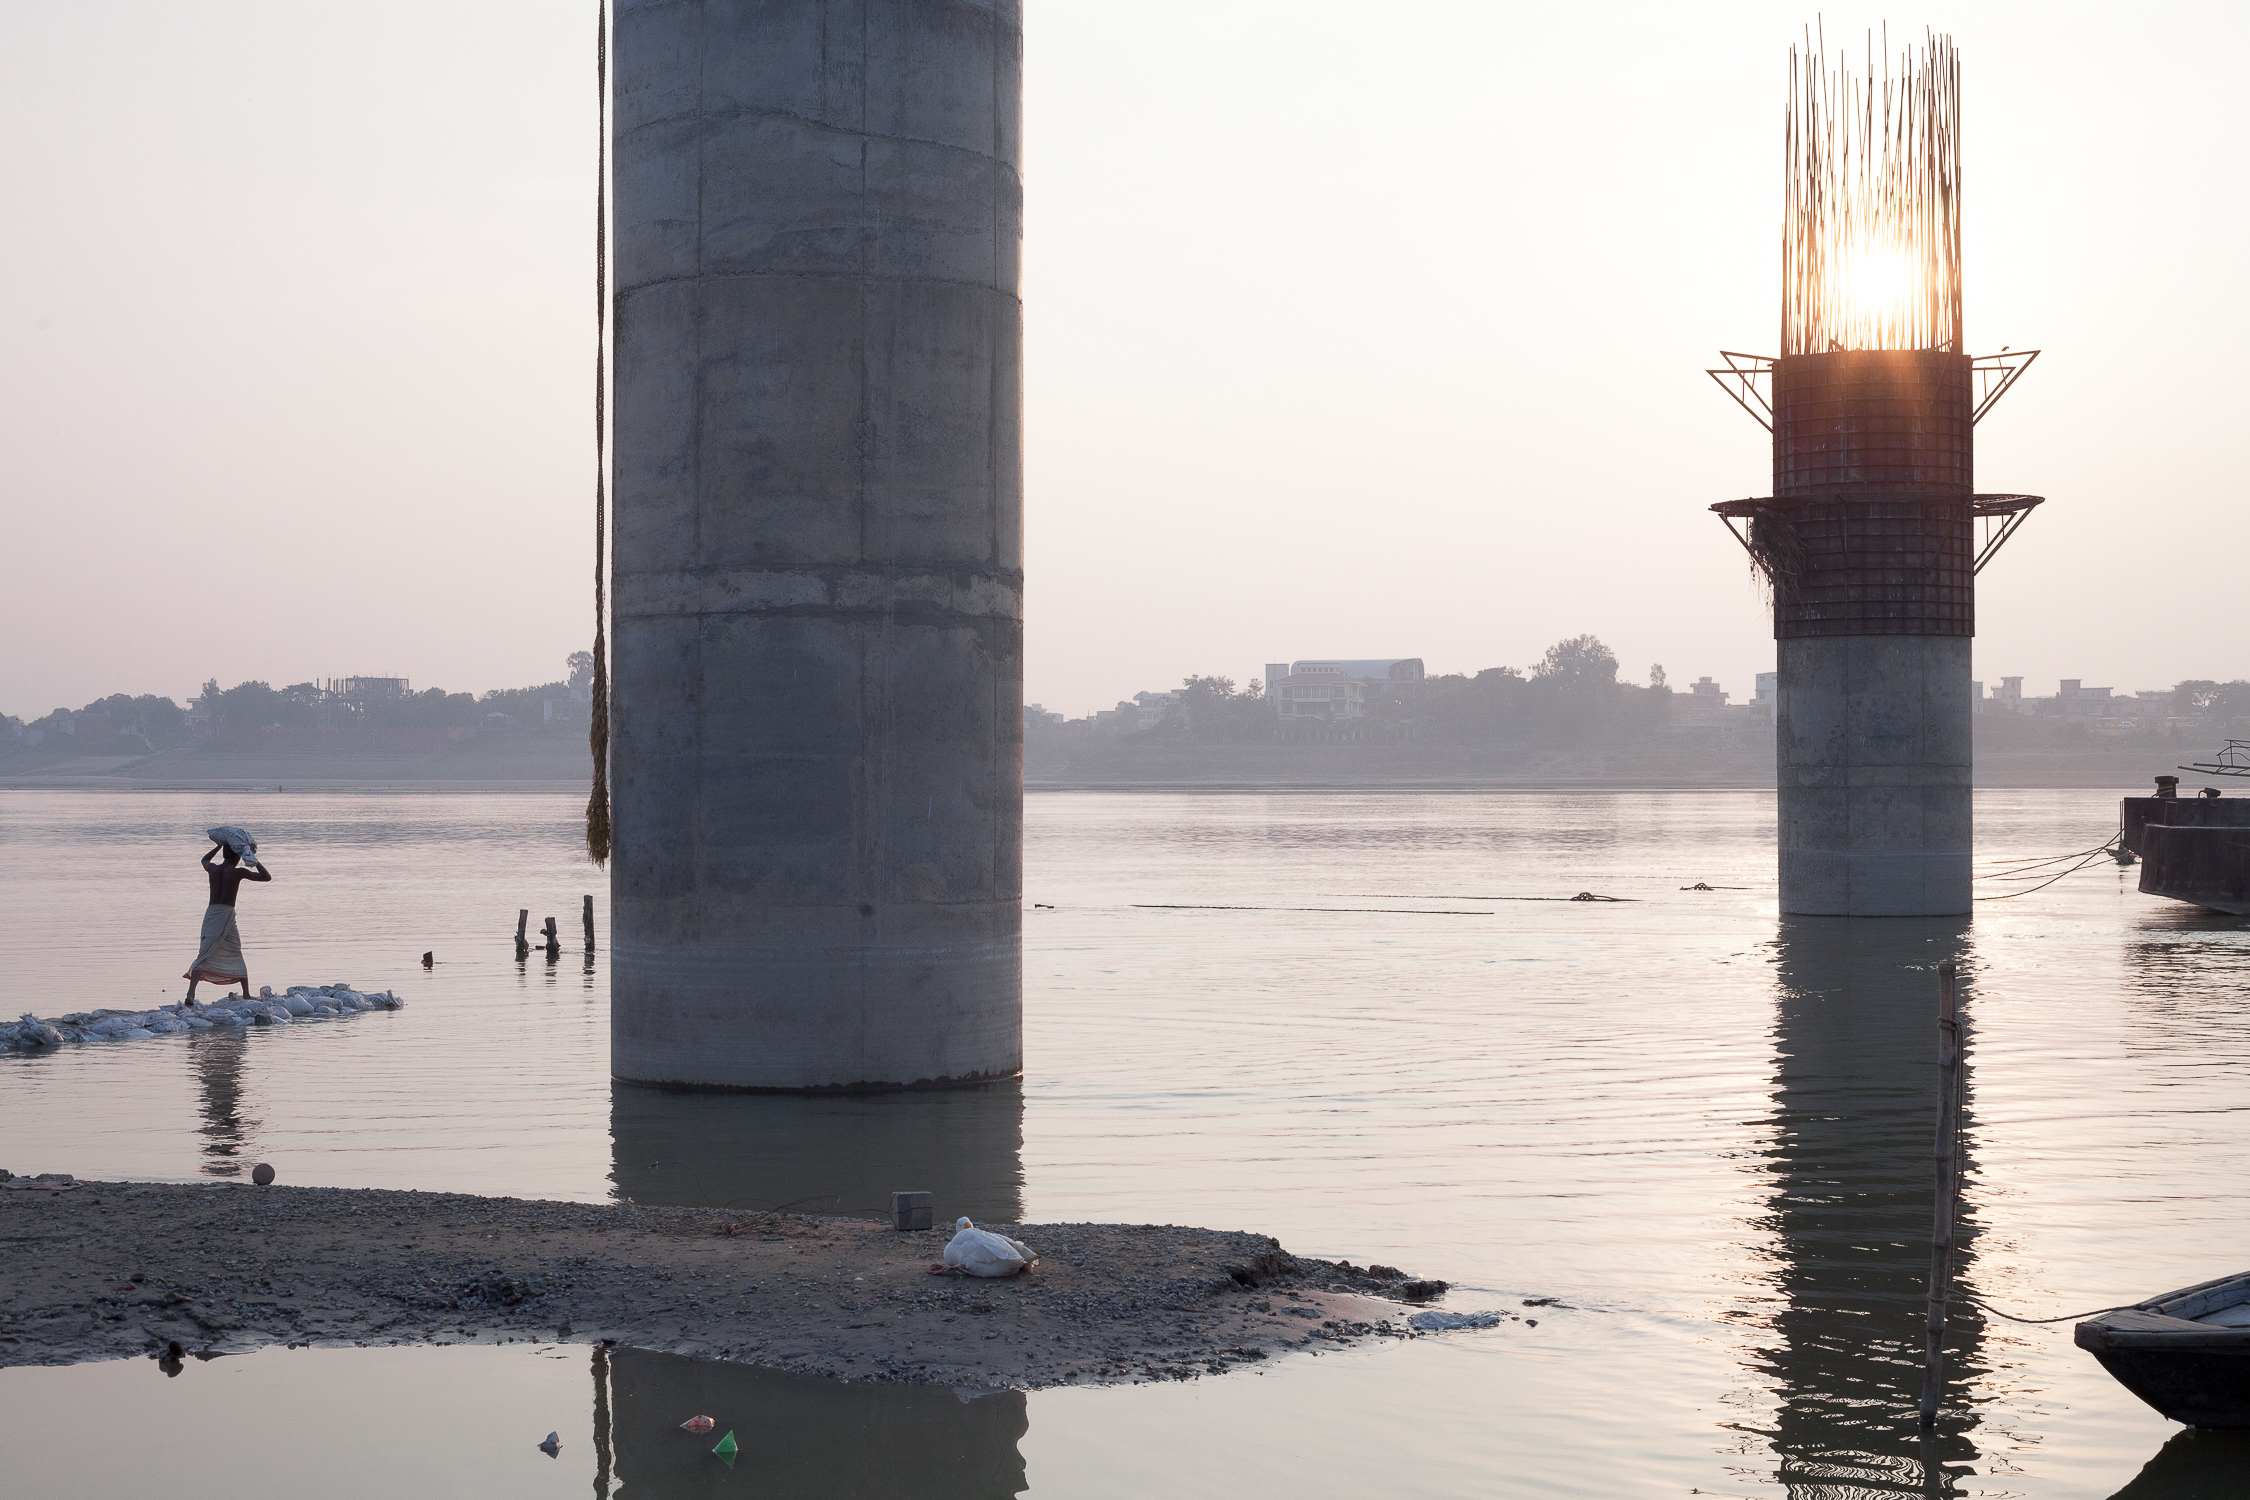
[{"x": 1872, "y": 196}]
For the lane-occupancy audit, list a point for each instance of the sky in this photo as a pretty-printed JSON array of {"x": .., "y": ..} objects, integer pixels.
[{"x": 1350, "y": 331}]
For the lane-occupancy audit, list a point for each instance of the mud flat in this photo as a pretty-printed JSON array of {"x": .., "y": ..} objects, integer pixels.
[{"x": 107, "y": 1270}]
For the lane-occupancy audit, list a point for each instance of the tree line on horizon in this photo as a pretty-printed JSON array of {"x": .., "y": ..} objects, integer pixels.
[{"x": 251, "y": 706}]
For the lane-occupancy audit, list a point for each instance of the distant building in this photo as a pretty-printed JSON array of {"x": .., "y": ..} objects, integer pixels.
[
  {"x": 1035, "y": 715},
  {"x": 1320, "y": 695},
  {"x": 1141, "y": 711},
  {"x": 360, "y": 689},
  {"x": 1151, "y": 709},
  {"x": 1702, "y": 705},
  {"x": 574, "y": 707},
  {"x": 1704, "y": 702},
  {"x": 2084, "y": 702},
  {"x": 1334, "y": 688}
]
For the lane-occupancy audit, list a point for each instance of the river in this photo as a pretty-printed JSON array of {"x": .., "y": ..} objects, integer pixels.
[{"x": 1361, "y": 1022}]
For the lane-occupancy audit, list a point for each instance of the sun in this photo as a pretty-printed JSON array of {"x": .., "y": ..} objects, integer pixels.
[{"x": 1877, "y": 289}]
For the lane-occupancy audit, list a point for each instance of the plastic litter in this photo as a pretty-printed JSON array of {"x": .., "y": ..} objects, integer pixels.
[
  {"x": 45, "y": 1182},
  {"x": 726, "y": 1448},
  {"x": 553, "y": 1445},
  {"x": 697, "y": 1424},
  {"x": 980, "y": 1252},
  {"x": 1439, "y": 1321}
]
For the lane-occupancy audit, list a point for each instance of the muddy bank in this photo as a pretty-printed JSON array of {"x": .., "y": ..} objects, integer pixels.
[{"x": 106, "y": 1270}]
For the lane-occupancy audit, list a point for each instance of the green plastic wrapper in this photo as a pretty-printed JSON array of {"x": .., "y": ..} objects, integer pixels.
[{"x": 726, "y": 1448}]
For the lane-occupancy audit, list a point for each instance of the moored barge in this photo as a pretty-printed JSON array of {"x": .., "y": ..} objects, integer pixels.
[{"x": 2192, "y": 849}]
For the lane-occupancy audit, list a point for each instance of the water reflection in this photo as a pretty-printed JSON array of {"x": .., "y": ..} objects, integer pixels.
[
  {"x": 218, "y": 1061},
  {"x": 832, "y": 1154},
  {"x": 2194, "y": 1465},
  {"x": 1854, "y": 1112},
  {"x": 2194, "y": 958},
  {"x": 798, "y": 1436}
]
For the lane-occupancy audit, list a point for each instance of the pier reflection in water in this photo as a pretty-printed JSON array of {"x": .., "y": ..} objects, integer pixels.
[
  {"x": 798, "y": 1436},
  {"x": 825, "y": 1154},
  {"x": 1849, "y": 1208}
]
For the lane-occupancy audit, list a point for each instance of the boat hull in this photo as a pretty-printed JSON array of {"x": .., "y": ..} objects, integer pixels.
[
  {"x": 2192, "y": 1371},
  {"x": 2207, "y": 1388},
  {"x": 2206, "y": 866}
]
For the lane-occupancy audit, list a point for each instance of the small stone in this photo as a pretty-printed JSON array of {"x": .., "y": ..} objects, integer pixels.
[{"x": 262, "y": 1175}]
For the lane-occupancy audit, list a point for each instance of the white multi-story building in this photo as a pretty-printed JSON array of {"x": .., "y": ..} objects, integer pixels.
[{"x": 1336, "y": 688}]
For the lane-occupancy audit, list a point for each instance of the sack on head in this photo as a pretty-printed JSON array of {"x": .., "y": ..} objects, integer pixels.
[{"x": 238, "y": 840}]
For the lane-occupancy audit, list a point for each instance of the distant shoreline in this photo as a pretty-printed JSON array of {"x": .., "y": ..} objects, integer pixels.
[
  {"x": 540, "y": 787},
  {"x": 1232, "y": 771}
]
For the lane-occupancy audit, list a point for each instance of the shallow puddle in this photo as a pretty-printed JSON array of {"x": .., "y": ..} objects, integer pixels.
[{"x": 468, "y": 1421}]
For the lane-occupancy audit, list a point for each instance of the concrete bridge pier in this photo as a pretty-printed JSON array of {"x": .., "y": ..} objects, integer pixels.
[
  {"x": 816, "y": 733},
  {"x": 1868, "y": 541}
]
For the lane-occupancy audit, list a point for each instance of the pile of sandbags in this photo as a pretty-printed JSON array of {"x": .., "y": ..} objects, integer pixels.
[{"x": 300, "y": 1002}]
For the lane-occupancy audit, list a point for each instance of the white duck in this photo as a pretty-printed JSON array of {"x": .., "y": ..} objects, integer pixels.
[{"x": 980, "y": 1252}]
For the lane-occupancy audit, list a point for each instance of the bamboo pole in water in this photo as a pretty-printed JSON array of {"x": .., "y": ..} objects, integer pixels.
[{"x": 1948, "y": 1176}]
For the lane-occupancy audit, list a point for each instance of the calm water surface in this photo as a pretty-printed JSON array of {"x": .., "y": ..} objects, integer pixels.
[{"x": 1704, "y": 1127}]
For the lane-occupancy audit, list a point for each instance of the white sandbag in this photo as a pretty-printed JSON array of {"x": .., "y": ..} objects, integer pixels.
[{"x": 980, "y": 1252}]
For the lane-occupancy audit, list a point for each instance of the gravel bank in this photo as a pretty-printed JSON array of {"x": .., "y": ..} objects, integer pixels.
[{"x": 106, "y": 1270}]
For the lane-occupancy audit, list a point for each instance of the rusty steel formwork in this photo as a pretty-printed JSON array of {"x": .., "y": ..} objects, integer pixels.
[
  {"x": 1869, "y": 531},
  {"x": 1872, "y": 527}
]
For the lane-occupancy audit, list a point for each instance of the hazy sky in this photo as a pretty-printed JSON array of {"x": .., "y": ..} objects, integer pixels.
[{"x": 1351, "y": 331}]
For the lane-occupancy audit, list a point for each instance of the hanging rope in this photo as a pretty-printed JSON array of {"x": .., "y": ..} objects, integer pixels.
[
  {"x": 597, "y": 731},
  {"x": 2065, "y": 1318}
]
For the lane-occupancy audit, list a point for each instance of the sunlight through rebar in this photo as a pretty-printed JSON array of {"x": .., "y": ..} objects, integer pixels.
[{"x": 1871, "y": 236}]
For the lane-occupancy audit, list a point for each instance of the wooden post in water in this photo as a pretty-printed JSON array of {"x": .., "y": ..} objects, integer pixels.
[
  {"x": 523, "y": 919},
  {"x": 1948, "y": 1176},
  {"x": 589, "y": 924}
]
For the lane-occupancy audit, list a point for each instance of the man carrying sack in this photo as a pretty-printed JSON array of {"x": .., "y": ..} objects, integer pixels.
[{"x": 220, "y": 958}]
